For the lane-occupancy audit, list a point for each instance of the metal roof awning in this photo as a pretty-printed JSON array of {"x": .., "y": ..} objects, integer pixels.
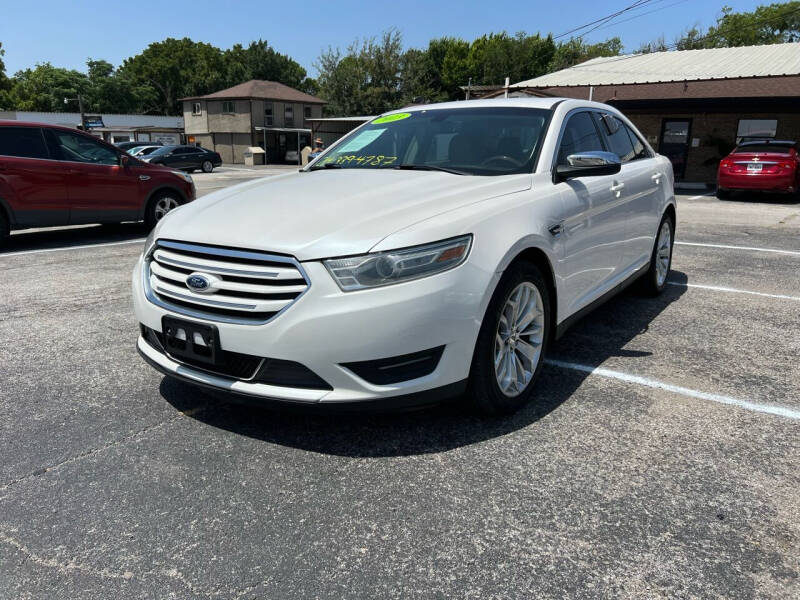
[{"x": 284, "y": 129}]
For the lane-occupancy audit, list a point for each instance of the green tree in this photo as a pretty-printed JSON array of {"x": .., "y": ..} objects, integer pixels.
[
  {"x": 366, "y": 79},
  {"x": 575, "y": 51},
  {"x": 175, "y": 69},
  {"x": 260, "y": 61},
  {"x": 44, "y": 88},
  {"x": 768, "y": 24}
]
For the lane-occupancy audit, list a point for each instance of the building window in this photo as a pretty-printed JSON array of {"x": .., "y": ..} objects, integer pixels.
[
  {"x": 756, "y": 128},
  {"x": 229, "y": 106},
  {"x": 288, "y": 116},
  {"x": 196, "y": 109},
  {"x": 307, "y": 110},
  {"x": 268, "y": 113}
]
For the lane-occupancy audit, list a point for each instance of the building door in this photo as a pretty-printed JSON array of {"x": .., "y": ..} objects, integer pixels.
[{"x": 675, "y": 143}]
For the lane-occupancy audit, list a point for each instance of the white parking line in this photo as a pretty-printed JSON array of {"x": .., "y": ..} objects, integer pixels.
[
  {"x": 754, "y": 249},
  {"x": 717, "y": 288},
  {"x": 136, "y": 241},
  {"x": 700, "y": 196},
  {"x": 771, "y": 409}
]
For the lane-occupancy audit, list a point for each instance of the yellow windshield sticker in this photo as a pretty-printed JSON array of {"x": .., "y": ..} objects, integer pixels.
[{"x": 390, "y": 118}]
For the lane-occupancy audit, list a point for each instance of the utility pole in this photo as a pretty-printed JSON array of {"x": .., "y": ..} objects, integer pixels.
[{"x": 80, "y": 109}]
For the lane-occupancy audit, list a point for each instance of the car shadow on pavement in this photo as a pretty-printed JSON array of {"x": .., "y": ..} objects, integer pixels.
[
  {"x": 602, "y": 334},
  {"x": 764, "y": 198},
  {"x": 66, "y": 237}
]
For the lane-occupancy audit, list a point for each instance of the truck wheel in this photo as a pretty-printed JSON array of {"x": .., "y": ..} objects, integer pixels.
[
  {"x": 511, "y": 344},
  {"x": 159, "y": 206}
]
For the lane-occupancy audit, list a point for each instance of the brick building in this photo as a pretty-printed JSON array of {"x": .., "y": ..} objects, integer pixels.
[{"x": 693, "y": 105}]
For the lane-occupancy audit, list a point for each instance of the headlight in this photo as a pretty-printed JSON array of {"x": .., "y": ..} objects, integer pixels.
[
  {"x": 396, "y": 266},
  {"x": 149, "y": 242},
  {"x": 185, "y": 176}
]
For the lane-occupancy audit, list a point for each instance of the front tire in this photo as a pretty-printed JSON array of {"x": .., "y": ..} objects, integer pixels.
[
  {"x": 655, "y": 280},
  {"x": 207, "y": 166},
  {"x": 509, "y": 353}
]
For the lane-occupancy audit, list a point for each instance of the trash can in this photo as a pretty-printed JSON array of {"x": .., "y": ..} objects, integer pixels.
[{"x": 254, "y": 156}]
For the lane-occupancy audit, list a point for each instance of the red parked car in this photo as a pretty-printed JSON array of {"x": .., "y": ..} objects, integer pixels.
[
  {"x": 760, "y": 165},
  {"x": 53, "y": 176}
]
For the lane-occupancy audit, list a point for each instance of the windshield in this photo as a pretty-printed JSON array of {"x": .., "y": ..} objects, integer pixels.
[
  {"x": 468, "y": 141},
  {"x": 772, "y": 148}
]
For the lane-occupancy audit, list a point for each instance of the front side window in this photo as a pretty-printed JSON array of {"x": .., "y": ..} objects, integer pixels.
[
  {"x": 24, "y": 142},
  {"x": 196, "y": 108},
  {"x": 268, "y": 113},
  {"x": 229, "y": 106},
  {"x": 580, "y": 135},
  {"x": 470, "y": 141},
  {"x": 618, "y": 140},
  {"x": 288, "y": 116},
  {"x": 80, "y": 148}
]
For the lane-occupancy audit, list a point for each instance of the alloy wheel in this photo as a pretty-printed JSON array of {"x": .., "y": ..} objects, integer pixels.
[
  {"x": 663, "y": 253},
  {"x": 518, "y": 340},
  {"x": 163, "y": 206}
]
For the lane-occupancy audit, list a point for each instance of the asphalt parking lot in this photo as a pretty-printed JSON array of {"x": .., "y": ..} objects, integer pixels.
[{"x": 660, "y": 460}]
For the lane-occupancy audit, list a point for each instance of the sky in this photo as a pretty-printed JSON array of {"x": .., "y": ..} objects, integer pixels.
[{"x": 67, "y": 33}]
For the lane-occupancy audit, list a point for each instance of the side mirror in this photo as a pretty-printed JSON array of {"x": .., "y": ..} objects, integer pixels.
[{"x": 589, "y": 164}]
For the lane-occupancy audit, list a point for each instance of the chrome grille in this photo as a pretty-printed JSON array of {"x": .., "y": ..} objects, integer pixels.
[{"x": 244, "y": 286}]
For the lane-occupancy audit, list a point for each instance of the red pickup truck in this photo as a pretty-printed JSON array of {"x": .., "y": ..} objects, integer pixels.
[{"x": 51, "y": 176}]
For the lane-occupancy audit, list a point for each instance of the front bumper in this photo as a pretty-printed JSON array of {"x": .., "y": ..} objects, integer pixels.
[{"x": 326, "y": 328}]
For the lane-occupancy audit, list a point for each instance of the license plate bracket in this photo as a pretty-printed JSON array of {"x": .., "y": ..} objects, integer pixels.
[
  {"x": 193, "y": 342},
  {"x": 755, "y": 167}
]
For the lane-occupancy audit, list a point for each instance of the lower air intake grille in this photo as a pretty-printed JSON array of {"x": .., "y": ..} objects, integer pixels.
[
  {"x": 397, "y": 368},
  {"x": 256, "y": 369}
]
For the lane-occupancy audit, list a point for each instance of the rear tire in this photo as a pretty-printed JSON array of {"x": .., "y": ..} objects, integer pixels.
[
  {"x": 510, "y": 350},
  {"x": 723, "y": 194},
  {"x": 654, "y": 280},
  {"x": 159, "y": 206},
  {"x": 207, "y": 166}
]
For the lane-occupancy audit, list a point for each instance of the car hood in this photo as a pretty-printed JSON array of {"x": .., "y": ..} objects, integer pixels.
[{"x": 321, "y": 214}]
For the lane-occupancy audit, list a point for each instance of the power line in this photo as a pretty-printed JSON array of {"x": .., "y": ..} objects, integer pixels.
[
  {"x": 695, "y": 40},
  {"x": 603, "y": 20},
  {"x": 649, "y": 12}
]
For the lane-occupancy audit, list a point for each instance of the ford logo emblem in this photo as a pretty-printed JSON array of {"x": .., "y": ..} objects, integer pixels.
[{"x": 197, "y": 282}]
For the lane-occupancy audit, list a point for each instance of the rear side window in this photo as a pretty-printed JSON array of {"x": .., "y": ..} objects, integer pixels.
[
  {"x": 75, "y": 147},
  {"x": 618, "y": 139},
  {"x": 580, "y": 135},
  {"x": 25, "y": 142}
]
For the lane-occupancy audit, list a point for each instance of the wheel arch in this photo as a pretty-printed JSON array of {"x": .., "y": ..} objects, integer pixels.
[
  {"x": 154, "y": 193},
  {"x": 539, "y": 258},
  {"x": 671, "y": 212}
]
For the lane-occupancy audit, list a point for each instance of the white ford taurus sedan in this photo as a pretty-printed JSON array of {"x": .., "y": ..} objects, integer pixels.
[{"x": 433, "y": 252}]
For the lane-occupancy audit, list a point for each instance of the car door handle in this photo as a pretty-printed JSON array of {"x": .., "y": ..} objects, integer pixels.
[
  {"x": 617, "y": 188},
  {"x": 144, "y": 177},
  {"x": 657, "y": 177}
]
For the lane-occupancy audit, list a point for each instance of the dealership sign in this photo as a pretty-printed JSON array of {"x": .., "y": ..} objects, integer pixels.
[{"x": 91, "y": 121}]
